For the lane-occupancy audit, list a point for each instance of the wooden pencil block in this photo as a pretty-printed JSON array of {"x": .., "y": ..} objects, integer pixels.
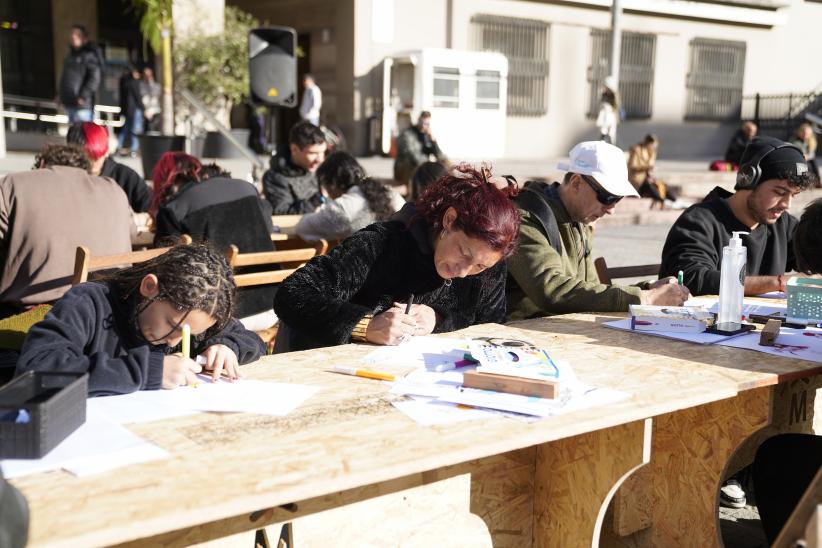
[
  {"x": 511, "y": 385},
  {"x": 769, "y": 333}
]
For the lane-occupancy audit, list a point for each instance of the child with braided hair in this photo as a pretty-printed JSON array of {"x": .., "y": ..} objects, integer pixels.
[{"x": 124, "y": 328}]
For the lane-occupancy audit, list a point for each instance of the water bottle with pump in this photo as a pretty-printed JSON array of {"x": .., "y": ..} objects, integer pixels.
[{"x": 732, "y": 284}]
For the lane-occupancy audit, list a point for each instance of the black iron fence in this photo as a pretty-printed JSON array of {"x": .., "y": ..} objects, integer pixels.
[{"x": 780, "y": 115}]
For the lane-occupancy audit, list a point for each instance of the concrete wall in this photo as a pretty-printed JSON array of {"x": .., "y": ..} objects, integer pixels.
[
  {"x": 778, "y": 59},
  {"x": 198, "y": 17}
]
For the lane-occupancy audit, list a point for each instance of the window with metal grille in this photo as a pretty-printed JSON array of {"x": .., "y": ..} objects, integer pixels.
[
  {"x": 446, "y": 87},
  {"x": 714, "y": 81},
  {"x": 525, "y": 43},
  {"x": 636, "y": 72},
  {"x": 488, "y": 89}
]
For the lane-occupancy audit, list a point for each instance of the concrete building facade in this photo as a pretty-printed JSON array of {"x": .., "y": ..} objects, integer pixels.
[{"x": 685, "y": 63}]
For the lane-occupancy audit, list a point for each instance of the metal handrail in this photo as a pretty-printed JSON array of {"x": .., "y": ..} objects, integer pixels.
[
  {"x": 244, "y": 150},
  {"x": 105, "y": 112}
]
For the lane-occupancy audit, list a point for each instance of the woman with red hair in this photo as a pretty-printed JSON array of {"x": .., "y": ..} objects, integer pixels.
[
  {"x": 208, "y": 205},
  {"x": 445, "y": 254},
  {"x": 94, "y": 140}
]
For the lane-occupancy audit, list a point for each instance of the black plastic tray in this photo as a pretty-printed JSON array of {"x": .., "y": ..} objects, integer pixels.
[{"x": 38, "y": 411}]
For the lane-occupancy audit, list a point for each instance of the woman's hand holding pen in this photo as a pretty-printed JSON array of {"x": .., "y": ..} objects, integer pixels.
[
  {"x": 424, "y": 315},
  {"x": 179, "y": 371},
  {"x": 391, "y": 327}
]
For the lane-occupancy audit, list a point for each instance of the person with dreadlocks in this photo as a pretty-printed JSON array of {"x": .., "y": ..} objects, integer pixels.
[{"x": 124, "y": 328}]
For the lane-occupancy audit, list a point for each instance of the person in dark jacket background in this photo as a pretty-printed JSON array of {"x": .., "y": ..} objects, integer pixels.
[
  {"x": 124, "y": 329},
  {"x": 208, "y": 205},
  {"x": 415, "y": 146},
  {"x": 446, "y": 252},
  {"x": 94, "y": 140},
  {"x": 131, "y": 106},
  {"x": 81, "y": 76},
  {"x": 290, "y": 185},
  {"x": 759, "y": 206},
  {"x": 741, "y": 139}
]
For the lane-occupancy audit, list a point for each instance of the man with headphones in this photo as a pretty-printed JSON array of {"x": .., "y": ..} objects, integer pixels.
[{"x": 771, "y": 173}]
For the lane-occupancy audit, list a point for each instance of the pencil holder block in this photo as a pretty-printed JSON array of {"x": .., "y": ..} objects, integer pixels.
[{"x": 38, "y": 411}]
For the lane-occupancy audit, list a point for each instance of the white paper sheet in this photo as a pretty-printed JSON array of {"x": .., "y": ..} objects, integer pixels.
[
  {"x": 447, "y": 387},
  {"x": 98, "y": 439},
  {"x": 804, "y": 344},
  {"x": 748, "y": 306},
  {"x": 243, "y": 396},
  {"x": 140, "y": 406},
  {"x": 428, "y": 352},
  {"x": 571, "y": 399},
  {"x": 429, "y": 412},
  {"x": 698, "y": 338},
  {"x": 774, "y": 295}
]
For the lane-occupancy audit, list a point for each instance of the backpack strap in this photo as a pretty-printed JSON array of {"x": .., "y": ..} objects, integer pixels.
[{"x": 533, "y": 199}]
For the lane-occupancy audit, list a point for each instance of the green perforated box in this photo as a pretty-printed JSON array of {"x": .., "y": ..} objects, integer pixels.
[{"x": 804, "y": 301}]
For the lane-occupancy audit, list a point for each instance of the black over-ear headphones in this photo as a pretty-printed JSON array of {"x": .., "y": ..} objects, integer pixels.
[{"x": 749, "y": 173}]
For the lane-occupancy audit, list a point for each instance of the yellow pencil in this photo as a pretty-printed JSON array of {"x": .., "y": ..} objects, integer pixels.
[
  {"x": 363, "y": 373},
  {"x": 186, "y": 341}
]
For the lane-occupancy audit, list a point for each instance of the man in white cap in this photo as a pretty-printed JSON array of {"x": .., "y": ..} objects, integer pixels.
[{"x": 552, "y": 271}]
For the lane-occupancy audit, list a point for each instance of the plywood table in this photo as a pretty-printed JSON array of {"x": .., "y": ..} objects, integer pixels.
[{"x": 543, "y": 483}]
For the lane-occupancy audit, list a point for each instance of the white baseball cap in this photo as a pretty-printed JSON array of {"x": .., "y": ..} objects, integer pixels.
[{"x": 604, "y": 162}]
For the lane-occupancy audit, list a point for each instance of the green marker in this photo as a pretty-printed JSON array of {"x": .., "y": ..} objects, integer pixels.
[{"x": 680, "y": 277}]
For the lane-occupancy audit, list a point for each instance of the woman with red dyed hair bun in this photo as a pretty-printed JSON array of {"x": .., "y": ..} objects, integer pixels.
[
  {"x": 447, "y": 252},
  {"x": 94, "y": 140}
]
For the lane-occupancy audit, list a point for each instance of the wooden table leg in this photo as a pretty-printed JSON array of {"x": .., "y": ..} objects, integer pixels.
[
  {"x": 690, "y": 451},
  {"x": 556, "y": 494},
  {"x": 576, "y": 478}
]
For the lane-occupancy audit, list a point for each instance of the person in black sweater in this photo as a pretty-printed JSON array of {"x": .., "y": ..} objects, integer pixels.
[
  {"x": 447, "y": 252},
  {"x": 94, "y": 140},
  {"x": 290, "y": 185},
  {"x": 124, "y": 330},
  {"x": 740, "y": 140},
  {"x": 759, "y": 206},
  {"x": 208, "y": 205}
]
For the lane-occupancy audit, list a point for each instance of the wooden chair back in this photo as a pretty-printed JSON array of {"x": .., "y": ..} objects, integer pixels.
[
  {"x": 804, "y": 527},
  {"x": 608, "y": 275},
  {"x": 84, "y": 262},
  {"x": 288, "y": 259}
]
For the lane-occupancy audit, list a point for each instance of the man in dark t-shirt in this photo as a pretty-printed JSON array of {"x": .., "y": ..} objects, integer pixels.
[{"x": 771, "y": 174}]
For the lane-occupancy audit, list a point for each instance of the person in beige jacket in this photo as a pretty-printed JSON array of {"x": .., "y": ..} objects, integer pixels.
[{"x": 45, "y": 214}]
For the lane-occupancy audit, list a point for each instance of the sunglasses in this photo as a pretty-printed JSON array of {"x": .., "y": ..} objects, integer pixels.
[{"x": 603, "y": 196}]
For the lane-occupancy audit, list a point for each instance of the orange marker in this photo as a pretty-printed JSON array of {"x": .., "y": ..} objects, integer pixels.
[{"x": 364, "y": 373}]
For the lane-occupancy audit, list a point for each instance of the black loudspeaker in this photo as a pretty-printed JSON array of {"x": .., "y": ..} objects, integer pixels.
[{"x": 272, "y": 66}]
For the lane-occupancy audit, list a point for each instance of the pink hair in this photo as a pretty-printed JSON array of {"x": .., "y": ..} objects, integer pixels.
[
  {"x": 172, "y": 171},
  {"x": 96, "y": 140}
]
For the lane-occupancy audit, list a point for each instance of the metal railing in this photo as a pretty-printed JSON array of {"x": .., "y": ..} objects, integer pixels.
[
  {"x": 524, "y": 42},
  {"x": 195, "y": 103},
  {"x": 45, "y": 116},
  {"x": 781, "y": 114}
]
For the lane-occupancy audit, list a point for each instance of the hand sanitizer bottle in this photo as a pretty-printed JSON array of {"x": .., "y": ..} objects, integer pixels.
[{"x": 732, "y": 282}]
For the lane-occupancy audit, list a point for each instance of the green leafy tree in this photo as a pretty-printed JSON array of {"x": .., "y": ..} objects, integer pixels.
[{"x": 215, "y": 68}]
